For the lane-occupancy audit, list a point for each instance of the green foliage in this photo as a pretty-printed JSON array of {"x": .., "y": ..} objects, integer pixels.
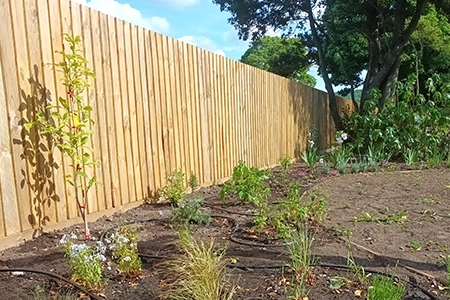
[
  {"x": 399, "y": 218},
  {"x": 311, "y": 155},
  {"x": 187, "y": 212},
  {"x": 293, "y": 211},
  {"x": 411, "y": 156},
  {"x": 174, "y": 189},
  {"x": 193, "y": 182},
  {"x": 85, "y": 262},
  {"x": 302, "y": 260},
  {"x": 285, "y": 163},
  {"x": 40, "y": 293},
  {"x": 413, "y": 123},
  {"x": 249, "y": 185},
  {"x": 123, "y": 245},
  {"x": 69, "y": 122},
  {"x": 384, "y": 288},
  {"x": 283, "y": 56}
]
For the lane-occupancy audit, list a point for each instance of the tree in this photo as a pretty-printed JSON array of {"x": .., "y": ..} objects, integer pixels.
[
  {"x": 386, "y": 26},
  {"x": 283, "y": 56}
]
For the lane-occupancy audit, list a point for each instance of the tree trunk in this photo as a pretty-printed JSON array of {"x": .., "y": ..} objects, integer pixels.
[{"x": 332, "y": 101}]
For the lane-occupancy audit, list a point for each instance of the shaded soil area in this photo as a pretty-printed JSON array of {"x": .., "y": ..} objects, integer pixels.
[{"x": 399, "y": 221}]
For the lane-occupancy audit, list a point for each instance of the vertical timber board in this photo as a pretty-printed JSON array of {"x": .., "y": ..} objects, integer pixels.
[
  {"x": 100, "y": 122},
  {"x": 57, "y": 186},
  {"x": 131, "y": 111},
  {"x": 227, "y": 116},
  {"x": 170, "y": 92},
  {"x": 164, "y": 100},
  {"x": 123, "y": 32},
  {"x": 137, "y": 108},
  {"x": 234, "y": 113},
  {"x": 195, "y": 91},
  {"x": 18, "y": 116},
  {"x": 120, "y": 180},
  {"x": 111, "y": 171},
  {"x": 66, "y": 28},
  {"x": 56, "y": 35},
  {"x": 202, "y": 66},
  {"x": 96, "y": 193},
  {"x": 240, "y": 110},
  {"x": 9, "y": 211},
  {"x": 44, "y": 180},
  {"x": 149, "y": 179},
  {"x": 221, "y": 118},
  {"x": 155, "y": 111},
  {"x": 148, "y": 183},
  {"x": 176, "y": 105},
  {"x": 184, "y": 125},
  {"x": 213, "y": 86},
  {"x": 186, "y": 121}
]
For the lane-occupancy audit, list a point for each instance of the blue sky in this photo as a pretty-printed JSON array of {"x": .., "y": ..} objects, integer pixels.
[{"x": 198, "y": 22}]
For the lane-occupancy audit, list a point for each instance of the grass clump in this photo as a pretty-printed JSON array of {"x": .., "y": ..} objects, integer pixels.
[
  {"x": 384, "y": 288},
  {"x": 302, "y": 260},
  {"x": 198, "y": 273}
]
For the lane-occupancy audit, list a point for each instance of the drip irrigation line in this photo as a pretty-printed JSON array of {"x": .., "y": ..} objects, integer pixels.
[{"x": 79, "y": 287}]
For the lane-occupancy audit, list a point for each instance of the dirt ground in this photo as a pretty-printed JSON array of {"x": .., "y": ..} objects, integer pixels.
[{"x": 399, "y": 221}]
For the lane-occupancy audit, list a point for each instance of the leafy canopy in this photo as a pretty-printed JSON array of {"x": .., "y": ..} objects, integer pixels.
[{"x": 283, "y": 56}]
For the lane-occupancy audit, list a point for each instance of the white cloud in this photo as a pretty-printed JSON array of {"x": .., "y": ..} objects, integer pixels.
[
  {"x": 128, "y": 13},
  {"x": 177, "y": 3},
  {"x": 202, "y": 42},
  {"x": 233, "y": 44}
]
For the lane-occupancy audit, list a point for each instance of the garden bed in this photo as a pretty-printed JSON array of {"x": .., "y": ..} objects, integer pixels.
[{"x": 399, "y": 222}]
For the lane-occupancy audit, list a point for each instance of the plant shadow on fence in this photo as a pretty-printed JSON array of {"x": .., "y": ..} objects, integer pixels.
[{"x": 38, "y": 153}]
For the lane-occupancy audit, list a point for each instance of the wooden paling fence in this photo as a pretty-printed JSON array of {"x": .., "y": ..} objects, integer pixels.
[{"x": 159, "y": 105}]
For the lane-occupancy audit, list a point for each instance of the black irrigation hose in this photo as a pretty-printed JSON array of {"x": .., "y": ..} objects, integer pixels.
[
  {"x": 236, "y": 227},
  {"x": 79, "y": 287},
  {"x": 335, "y": 266}
]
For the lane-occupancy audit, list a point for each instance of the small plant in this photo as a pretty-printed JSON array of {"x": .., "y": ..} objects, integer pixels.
[
  {"x": 434, "y": 158},
  {"x": 411, "y": 156},
  {"x": 338, "y": 282},
  {"x": 249, "y": 185},
  {"x": 302, "y": 260},
  {"x": 198, "y": 273},
  {"x": 316, "y": 209},
  {"x": 123, "y": 246},
  {"x": 193, "y": 182},
  {"x": 311, "y": 155},
  {"x": 174, "y": 189},
  {"x": 285, "y": 163},
  {"x": 40, "y": 293},
  {"x": 325, "y": 166},
  {"x": 189, "y": 212},
  {"x": 289, "y": 212},
  {"x": 399, "y": 218},
  {"x": 340, "y": 154},
  {"x": 356, "y": 269},
  {"x": 85, "y": 262},
  {"x": 384, "y": 288},
  {"x": 447, "y": 264},
  {"x": 415, "y": 246},
  {"x": 70, "y": 122}
]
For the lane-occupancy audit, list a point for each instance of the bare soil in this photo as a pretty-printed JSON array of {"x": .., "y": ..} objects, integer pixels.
[{"x": 408, "y": 236}]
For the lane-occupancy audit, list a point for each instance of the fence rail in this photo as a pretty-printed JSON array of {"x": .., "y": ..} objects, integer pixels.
[{"x": 159, "y": 105}]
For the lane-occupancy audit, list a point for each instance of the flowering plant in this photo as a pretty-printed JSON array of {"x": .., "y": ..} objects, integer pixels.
[
  {"x": 123, "y": 245},
  {"x": 85, "y": 262},
  {"x": 311, "y": 154}
]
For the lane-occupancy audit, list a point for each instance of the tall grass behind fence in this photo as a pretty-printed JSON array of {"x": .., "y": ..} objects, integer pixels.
[{"x": 159, "y": 105}]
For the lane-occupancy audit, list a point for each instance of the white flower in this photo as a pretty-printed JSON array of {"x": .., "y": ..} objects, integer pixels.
[
  {"x": 311, "y": 143},
  {"x": 126, "y": 258},
  {"x": 321, "y": 161},
  {"x": 344, "y": 136},
  {"x": 339, "y": 140}
]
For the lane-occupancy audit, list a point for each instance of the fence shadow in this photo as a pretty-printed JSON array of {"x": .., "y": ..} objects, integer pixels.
[{"x": 37, "y": 152}]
